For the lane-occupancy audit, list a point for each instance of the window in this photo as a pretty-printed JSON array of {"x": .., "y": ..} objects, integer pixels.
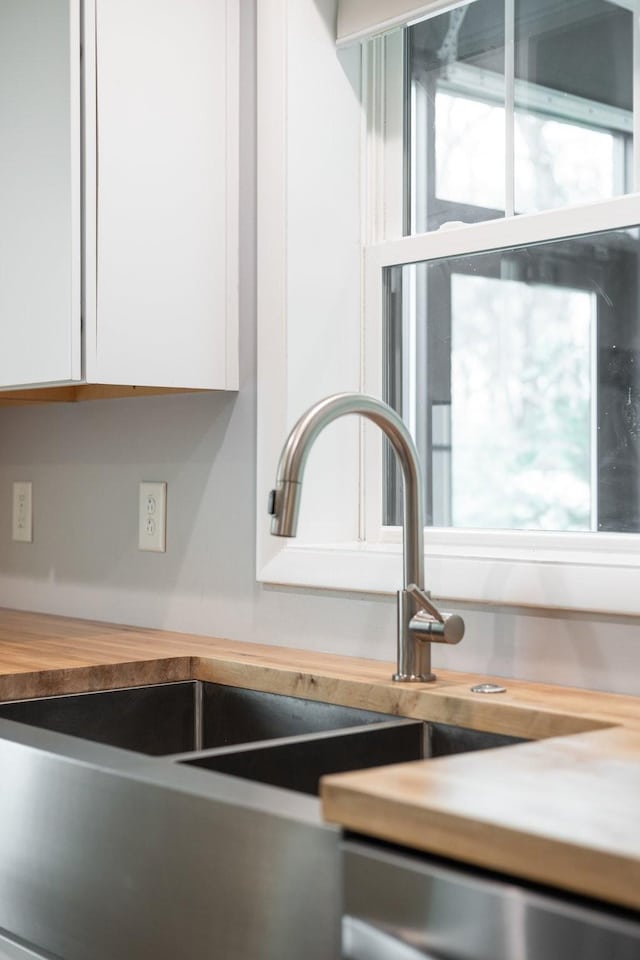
[
  {"x": 500, "y": 209},
  {"x": 517, "y": 366}
]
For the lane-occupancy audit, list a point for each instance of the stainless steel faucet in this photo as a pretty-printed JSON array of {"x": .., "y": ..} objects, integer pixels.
[{"x": 420, "y": 623}]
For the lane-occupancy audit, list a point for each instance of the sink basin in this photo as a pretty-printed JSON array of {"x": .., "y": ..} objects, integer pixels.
[
  {"x": 232, "y": 730},
  {"x": 180, "y": 717},
  {"x": 298, "y": 763},
  {"x": 446, "y": 739}
]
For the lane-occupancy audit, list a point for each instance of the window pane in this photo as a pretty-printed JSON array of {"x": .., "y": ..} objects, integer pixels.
[
  {"x": 547, "y": 124},
  {"x": 469, "y": 151},
  {"x": 530, "y": 380},
  {"x": 455, "y": 132},
  {"x": 573, "y": 96},
  {"x": 524, "y": 370},
  {"x": 562, "y": 164}
]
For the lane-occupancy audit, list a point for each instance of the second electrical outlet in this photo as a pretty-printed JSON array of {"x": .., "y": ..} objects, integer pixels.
[
  {"x": 22, "y": 525},
  {"x": 152, "y": 517}
]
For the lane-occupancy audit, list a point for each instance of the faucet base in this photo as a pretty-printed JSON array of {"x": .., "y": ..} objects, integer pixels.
[{"x": 414, "y": 678}]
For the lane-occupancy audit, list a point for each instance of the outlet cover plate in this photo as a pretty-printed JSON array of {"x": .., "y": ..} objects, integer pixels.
[
  {"x": 152, "y": 517},
  {"x": 22, "y": 516}
]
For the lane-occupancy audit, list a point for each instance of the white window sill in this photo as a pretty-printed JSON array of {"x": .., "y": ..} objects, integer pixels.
[{"x": 545, "y": 575}]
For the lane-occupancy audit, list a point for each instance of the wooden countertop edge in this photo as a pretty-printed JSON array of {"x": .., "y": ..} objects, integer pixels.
[
  {"x": 562, "y": 811},
  {"x": 93, "y": 677},
  {"x": 577, "y": 868}
]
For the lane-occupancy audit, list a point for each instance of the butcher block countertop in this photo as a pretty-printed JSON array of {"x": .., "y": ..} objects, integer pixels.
[{"x": 563, "y": 810}]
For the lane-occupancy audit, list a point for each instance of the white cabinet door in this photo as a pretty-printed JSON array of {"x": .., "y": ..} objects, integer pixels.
[
  {"x": 139, "y": 215},
  {"x": 167, "y": 162},
  {"x": 39, "y": 191}
]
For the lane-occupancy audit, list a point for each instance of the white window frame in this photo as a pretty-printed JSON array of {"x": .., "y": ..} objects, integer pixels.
[{"x": 587, "y": 572}]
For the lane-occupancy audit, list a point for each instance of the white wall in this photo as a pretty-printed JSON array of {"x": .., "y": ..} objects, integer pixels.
[{"x": 85, "y": 462}]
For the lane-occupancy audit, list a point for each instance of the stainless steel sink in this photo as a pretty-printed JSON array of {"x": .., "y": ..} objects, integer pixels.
[
  {"x": 216, "y": 838},
  {"x": 205, "y": 720},
  {"x": 179, "y": 717}
]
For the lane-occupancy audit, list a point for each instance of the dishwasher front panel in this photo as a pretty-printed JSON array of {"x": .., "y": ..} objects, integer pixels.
[{"x": 404, "y": 906}]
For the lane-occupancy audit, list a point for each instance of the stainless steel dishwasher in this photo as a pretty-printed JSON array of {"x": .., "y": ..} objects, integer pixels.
[{"x": 405, "y": 906}]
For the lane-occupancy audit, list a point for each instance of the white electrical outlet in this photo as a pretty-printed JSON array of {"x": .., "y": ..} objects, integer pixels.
[
  {"x": 152, "y": 517},
  {"x": 22, "y": 517}
]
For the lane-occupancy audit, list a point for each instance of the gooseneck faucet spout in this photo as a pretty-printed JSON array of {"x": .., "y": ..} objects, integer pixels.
[{"x": 419, "y": 621}]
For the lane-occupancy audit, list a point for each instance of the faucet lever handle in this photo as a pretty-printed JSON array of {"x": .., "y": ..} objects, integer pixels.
[
  {"x": 424, "y": 601},
  {"x": 428, "y": 623}
]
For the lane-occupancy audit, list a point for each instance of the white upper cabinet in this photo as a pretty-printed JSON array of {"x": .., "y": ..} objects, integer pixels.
[
  {"x": 119, "y": 175},
  {"x": 40, "y": 184}
]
